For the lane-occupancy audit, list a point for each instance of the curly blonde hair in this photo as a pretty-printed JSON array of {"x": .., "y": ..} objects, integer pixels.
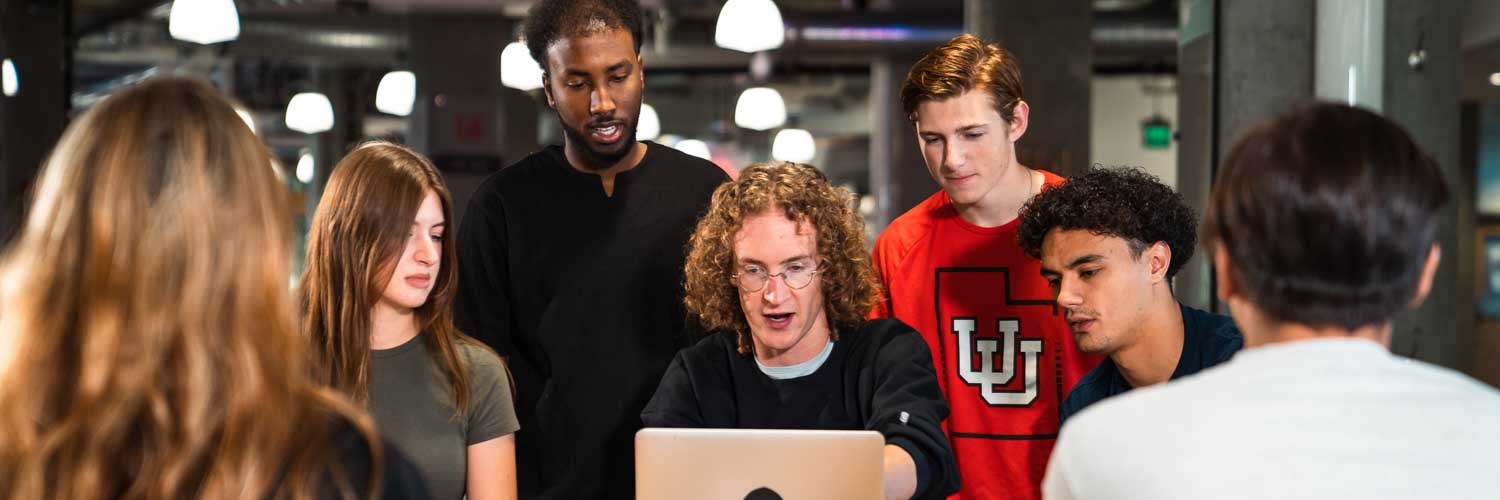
[{"x": 803, "y": 194}]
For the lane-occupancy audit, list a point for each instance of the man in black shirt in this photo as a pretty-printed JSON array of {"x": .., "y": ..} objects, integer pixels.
[
  {"x": 1110, "y": 242},
  {"x": 570, "y": 260},
  {"x": 780, "y": 270}
]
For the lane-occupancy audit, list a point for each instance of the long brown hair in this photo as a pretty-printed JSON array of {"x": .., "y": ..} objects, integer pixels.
[
  {"x": 356, "y": 238},
  {"x": 145, "y": 323}
]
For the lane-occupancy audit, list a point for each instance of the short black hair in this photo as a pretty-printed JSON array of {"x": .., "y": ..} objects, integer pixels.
[
  {"x": 550, "y": 20},
  {"x": 1120, "y": 202},
  {"x": 1327, "y": 214}
]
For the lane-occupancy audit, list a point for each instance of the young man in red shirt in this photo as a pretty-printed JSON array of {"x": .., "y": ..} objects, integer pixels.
[{"x": 953, "y": 270}]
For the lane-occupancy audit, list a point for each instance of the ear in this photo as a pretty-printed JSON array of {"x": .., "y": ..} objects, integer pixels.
[
  {"x": 1158, "y": 260},
  {"x": 1429, "y": 269},
  {"x": 640, "y": 66},
  {"x": 547, "y": 89},
  {"x": 1019, "y": 119},
  {"x": 1223, "y": 274}
]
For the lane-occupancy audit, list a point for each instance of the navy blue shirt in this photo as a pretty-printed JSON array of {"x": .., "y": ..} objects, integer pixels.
[{"x": 1207, "y": 339}]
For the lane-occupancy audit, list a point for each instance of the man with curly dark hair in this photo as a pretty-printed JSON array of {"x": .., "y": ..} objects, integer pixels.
[
  {"x": 572, "y": 257},
  {"x": 1110, "y": 242},
  {"x": 778, "y": 268}
]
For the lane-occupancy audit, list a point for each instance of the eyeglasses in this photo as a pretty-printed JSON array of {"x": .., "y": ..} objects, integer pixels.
[{"x": 797, "y": 276}]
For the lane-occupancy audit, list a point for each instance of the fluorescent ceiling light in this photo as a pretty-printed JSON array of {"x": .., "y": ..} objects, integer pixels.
[
  {"x": 204, "y": 21},
  {"x": 309, "y": 113},
  {"x": 518, "y": 70},
  {"x": 9, "y": 81},
  {"x": 794, "y": 145},
  {"x": 305, "y": 166},
  {"x": 649, "y": 125},
  {"x": 760, "y": 108},
  {"x": 695, "y": 147},
  {"x": 749, "y": 26},
  {"x": 396, "y": 93}
]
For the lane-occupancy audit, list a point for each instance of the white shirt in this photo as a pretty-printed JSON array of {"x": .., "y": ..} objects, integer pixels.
[{"x": 1340, "y": 418}]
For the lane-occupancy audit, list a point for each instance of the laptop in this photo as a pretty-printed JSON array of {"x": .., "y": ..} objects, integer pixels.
[{"x": 757, "y": 464}]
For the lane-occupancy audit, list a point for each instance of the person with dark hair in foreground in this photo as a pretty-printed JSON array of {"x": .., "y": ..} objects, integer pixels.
[
  {"x": 1110, "y": 242},
  {"x": 779, "y": 269},
  {"x": 570, "y": 260},
  {"x": 1323, "y": 229}
]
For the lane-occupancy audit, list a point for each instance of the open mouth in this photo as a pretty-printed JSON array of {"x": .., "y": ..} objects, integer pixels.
[
  {"x": 607, "y": 132},
  {"x": 778, "y": 320}
]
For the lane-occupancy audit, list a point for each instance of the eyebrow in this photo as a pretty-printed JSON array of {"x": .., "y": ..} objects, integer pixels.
[
  {"x": 960, "y": 130},
  {"x": 623, "y": 64},
  {"x": 788, "y": 260},
  {"x": 1093, "y": 257}
]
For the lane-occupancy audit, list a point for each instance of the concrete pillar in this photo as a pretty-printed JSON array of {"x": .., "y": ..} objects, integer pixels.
[
  {"x": 1052, "y": 41},
  {"x": 898, "y": 177},
  {"x": 33, "y": 35},
  {"x": 1239, "y": 63},
  {"x": 464, "y": 119},
  {"x": 1424, "y": 98}
]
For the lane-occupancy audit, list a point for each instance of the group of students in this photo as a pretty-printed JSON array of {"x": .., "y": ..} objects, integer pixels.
[{"x": 150, "y": 346}]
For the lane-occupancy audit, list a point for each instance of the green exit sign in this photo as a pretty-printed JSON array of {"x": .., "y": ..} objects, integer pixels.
[{"x": 1156, "y": 133}]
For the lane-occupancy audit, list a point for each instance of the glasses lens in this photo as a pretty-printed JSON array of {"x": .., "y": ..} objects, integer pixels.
[
  {"x": 798, "y": 278},
  {"x": 751, "y": 282}
]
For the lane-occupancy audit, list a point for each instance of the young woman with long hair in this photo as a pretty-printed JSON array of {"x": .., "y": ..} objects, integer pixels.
[
  {"x": 377, "y": 300},
  {"x": 148, "y": 342}
]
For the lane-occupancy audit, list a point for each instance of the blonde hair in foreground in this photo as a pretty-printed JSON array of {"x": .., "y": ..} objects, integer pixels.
[{"x": 147, "y": 342}]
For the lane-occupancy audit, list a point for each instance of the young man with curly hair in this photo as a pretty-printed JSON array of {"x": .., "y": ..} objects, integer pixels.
[
  {"x": 779, "y": 270},
  {"x": 1110, "y": 242},
  {"x": 571, "y": 258},
  {"x": 1323, "y": 226},
  {"x": 953, "y": 271}
]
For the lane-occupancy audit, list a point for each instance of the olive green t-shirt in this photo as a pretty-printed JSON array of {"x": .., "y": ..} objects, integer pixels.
[{"x": 412, "y": 403}]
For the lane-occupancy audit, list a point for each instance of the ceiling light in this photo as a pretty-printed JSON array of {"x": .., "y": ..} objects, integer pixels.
[
  {"x": 649, "y": 125},
  {"x": 9, "y": 82},
  {"x": 396, "y": 93},
  {"x": 247, "y": 117},
  {"x": 204, "y": 21},
  {"x": 305, "y": 166},
  {"x": 760, "y": 108},
  {"x": 695, "y": 147},
  {"x": 309, "y": 113},
  {"x": 749, "y": 26},
  {"x": 1495, "y": 79},
  {"x": 794, "y": 145},
  {"x": 518, "y": 70}
]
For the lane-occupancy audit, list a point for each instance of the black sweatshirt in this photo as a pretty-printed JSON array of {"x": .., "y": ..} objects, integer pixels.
[
  {"x": 879, "y": 378},
  {"x": 582, "y": 294}
]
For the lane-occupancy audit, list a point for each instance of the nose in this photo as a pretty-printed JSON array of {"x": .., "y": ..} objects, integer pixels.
[
  {"x": 952, "y": 156},
  {"x": 601, "y": 103},
  {"x": 1068, "y": 294},
  {"x": 775, "y": 291},
  {"x": 427, "y": 251}
]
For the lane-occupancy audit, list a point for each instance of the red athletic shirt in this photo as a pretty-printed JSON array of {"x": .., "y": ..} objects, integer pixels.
[{"x": 1004, "y": 356}]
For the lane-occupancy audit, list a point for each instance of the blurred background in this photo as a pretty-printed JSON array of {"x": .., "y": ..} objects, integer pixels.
[{"x": 1162, "y": 85}]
